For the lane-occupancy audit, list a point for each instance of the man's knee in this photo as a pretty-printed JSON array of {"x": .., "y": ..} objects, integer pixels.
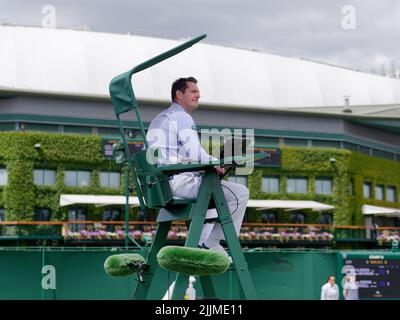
[
  {"x": 245, "y": 192},
  {"x": 242, "y": 191}
]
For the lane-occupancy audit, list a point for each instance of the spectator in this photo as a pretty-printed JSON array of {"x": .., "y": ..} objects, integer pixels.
[
  {"x": 330, "y": 290},
  {"x": 350, "y": 288}
]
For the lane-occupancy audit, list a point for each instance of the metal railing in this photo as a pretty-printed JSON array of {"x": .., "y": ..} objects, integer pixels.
[{"x": 145, "y": 230}]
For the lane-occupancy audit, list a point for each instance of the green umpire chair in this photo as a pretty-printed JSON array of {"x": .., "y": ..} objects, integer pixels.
[{"x": 153, "y": 190}]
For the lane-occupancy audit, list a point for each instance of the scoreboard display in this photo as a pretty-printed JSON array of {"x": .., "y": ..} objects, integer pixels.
[
  {"x": 272, "y": 157},
  {"x": 134, "y": 146},
  {"x": 377, "y": 274}
]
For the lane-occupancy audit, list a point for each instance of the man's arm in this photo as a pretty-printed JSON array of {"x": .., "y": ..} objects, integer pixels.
[{"x": 189, "y": 138}]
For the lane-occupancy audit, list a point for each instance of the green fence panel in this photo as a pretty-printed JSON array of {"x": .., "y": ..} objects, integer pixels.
[{"x": 77, "y": 273}]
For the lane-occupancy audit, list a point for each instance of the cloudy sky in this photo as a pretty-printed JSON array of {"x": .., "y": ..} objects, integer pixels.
[{"x": 361, "y": 34}]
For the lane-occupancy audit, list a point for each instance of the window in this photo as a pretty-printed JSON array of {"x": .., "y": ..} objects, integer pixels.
[
  {"x": 77, "y": 178},
  {"x": 268, "y": 217},
  {"x": 238, "y": 179},
  {"x": 41, "y": 127},
  {"x": 270, "y": 184},
  {"x": 42, "y": 214},
  {"x": 2, "y": 214},
  {"x": 296, "y": 142},
  {"x": 7, "y": 126},
  {"x": 44, "y": 177},
  {"x": 3, "y": 177},
  {"x": 297, "y": 185},
  {"x": 77, "y": 129},
  {"x": 379, "y": 192},
  {"x": 108, "y": 132},
  {"x": 297, "y": 217},
  {"x": 364, "y": 150},
  {"x": 350, "y": 146},
  {"x": 386, "y": 221},
  {"x": 323, "y": 186},
  {"x": 367, "y": 190},
  {"x": 266, "y": 141},
  {"x": 111, "y": 214},
  {"x": 110, "y": 179},
  {"x": 326, "y": 144},
  {"x": 77, "y": 214},
  {"x": 326, "y": 218},
  {"x": 391, "y": 194},
  {"x": 383, "y": 154}
]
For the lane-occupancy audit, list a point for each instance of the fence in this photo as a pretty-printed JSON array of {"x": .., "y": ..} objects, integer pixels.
[
  {"x": 49, "y": 273},
  {"x": 144, "y": 231}
]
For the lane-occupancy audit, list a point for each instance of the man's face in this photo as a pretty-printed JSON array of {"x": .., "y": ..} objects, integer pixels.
[{"x": 190, "y": 98}]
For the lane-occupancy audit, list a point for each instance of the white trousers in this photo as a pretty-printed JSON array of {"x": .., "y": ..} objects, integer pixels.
[{"x": 186, "y": 185}]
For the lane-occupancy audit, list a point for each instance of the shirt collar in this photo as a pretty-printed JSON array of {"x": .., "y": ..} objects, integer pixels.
[{"x": 177, "y": 106}]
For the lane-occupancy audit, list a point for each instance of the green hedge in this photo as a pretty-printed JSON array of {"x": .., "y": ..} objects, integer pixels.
[
  {"x": 314, "y": 162},
  {"x": 61, "y": 152}
]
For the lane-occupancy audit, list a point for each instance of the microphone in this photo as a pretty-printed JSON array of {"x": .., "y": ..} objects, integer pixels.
[
  {"x": 193, "y": 261},
  {"x": 122, "y": 265}
]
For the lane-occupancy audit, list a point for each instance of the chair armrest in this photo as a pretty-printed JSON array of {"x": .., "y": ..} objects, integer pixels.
[
  {"x": 178, "y": 168},
  {"x": 229, "y": 161},
  {"x": 240, "y": 161}
]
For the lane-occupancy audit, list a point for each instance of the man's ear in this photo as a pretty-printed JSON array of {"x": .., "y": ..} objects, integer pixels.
[{"x": 178, "y": 94}]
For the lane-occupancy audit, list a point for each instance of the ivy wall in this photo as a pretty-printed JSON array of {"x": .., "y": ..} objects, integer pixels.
[{"x": 20, "y": 196}]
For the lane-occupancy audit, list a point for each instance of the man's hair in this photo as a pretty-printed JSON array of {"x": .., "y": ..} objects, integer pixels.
[{"x": 181, "y": 85}]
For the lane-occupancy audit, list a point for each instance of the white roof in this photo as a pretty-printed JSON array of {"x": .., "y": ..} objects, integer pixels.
[
  {"x": 81, "y": 63},
  {"x": 99, "y": 201},
  {"x": 104, "y": 200},
  {"x": 289, "y": 205},
  {"x": 380, "y": 211}
]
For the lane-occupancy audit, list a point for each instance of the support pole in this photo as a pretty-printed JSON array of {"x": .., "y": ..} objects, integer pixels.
[{"x": 126, "y": 205}]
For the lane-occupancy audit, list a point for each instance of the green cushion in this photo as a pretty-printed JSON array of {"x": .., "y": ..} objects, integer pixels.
[
  {"x": 120, "y": 265},
  {"x": 192, "y": 261}
]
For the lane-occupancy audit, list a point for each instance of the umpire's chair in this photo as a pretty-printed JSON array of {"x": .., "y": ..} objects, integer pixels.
[{"x": 153, "y": 191}]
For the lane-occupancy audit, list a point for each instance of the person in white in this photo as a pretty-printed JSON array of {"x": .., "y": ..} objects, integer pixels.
[
  {"x": 173, "y": 132},
  {"x": 330, "y": 290},
  {"x": 350, "y": 288}
]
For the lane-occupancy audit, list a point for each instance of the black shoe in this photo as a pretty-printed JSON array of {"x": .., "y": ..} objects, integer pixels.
[{"x": 203, "y": 246}]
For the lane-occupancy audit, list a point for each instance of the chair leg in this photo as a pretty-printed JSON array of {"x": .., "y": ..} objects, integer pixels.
[
  {"x": 149, "y": 289},
  {"x": 233, "y": 243}
]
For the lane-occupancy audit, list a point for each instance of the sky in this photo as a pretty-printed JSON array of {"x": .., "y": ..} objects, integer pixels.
[{"x": 359, "y": 34}]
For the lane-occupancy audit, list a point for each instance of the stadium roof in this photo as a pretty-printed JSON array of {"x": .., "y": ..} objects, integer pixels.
[
  {"x": 375, "y": 111},
  {"x": 81, "y": 63}
]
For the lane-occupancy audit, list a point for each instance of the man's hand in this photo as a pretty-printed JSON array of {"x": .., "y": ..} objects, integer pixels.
[{"x": 220, "y": 170}]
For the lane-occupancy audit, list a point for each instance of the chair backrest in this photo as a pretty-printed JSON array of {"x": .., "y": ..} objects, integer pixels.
[{"x": 153, "y": 183}]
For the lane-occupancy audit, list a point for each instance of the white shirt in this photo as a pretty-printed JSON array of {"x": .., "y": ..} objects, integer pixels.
[
  {"x": 352, "y": 290},
  {"x": 173, "y": 132},
  {"x": 329, "y": 292}
]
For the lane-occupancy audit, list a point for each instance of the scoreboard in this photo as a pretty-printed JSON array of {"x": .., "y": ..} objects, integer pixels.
[
  {"x": 377, "y": 274},
  {"x": 272, "y": 157},
  {"x": 134, "y": 146}
]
